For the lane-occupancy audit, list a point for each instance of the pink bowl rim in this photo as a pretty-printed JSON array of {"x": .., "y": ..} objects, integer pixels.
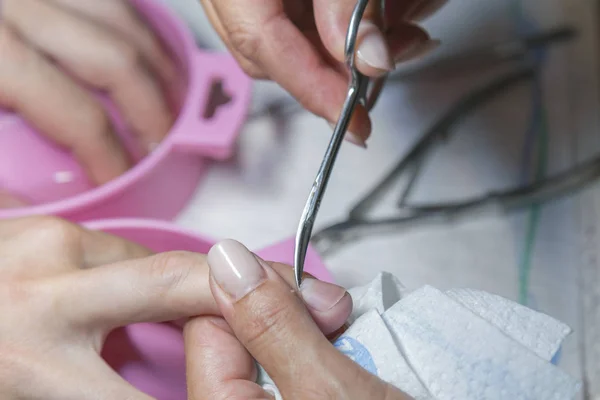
[{"x": 138, "y": 171}]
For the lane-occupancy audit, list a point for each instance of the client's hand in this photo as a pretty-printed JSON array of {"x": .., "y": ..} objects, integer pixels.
[
  {"x": 64, "y": 288},
  {"x": 52, "y": 51},
  {"x": 264, "y": 319}
]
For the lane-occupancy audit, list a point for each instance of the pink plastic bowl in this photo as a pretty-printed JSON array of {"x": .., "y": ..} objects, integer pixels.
[
  {"x": 151, "y": 356},
  {"x": 160, "y": 184}
]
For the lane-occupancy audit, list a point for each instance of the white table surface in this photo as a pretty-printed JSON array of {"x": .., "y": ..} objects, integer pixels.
[{"x": 257, "y": 198}]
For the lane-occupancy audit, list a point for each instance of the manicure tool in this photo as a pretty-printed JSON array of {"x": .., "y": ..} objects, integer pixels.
[{"x": 358, "y": 93}]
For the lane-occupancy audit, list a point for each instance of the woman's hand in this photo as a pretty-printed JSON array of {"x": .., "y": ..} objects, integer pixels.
[
  {"x": 265, "y": 320},
  {"x": 64, "y": 288},
  {"x": 300, "y": 45},
  {"x": 53, "y": 50}
]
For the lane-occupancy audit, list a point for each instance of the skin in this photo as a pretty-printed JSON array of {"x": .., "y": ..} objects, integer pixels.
[
  {"x": 63, "y": 289},
  {"x": 54, "y": 52},
  {"x": 300, "y": 45},
  {"x": 282, "y": 337}
]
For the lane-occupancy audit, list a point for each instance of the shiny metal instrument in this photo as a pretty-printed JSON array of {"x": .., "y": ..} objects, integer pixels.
[{"x": 359, "y": 92}]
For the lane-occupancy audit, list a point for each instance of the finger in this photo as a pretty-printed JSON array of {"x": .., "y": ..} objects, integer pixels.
[
  {"x": 264, "y": 34},
  {"x": 164, "y": 287},
  {"x": 217, "y": 364},
  {"x": 379, "y": 46},
  {"x": 247, "y": 65},
  {"x": 408, "y": 42},
  {"x": 120, "y": 16},
  {"x": 328, "y": 319},
  {"x": 333, "y": 18},
  {"x": 272, "y": 322},
  {"x": 100, "y": 58},
  {"x": 43, "y": 246},
  {"x": 59, "y": 108},
  {"x": 331, "y": 322}
]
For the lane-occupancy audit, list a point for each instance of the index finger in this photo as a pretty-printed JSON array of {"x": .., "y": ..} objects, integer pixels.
[{"x": 263, "y": 33}]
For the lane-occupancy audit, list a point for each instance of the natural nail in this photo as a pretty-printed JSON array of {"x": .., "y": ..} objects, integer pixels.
[
  {"x": 417, "y": 50},
  {"x": 355, "y": 139},
  {"x": 352, "y": 138},
  {"x": 373, "y": 49},
  {"x": 235, "y": 268},
  {"x": 321, "y": 296}
]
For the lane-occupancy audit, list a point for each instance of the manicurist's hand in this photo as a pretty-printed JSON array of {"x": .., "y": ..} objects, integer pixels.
[
  {"x": 266, "y": 320},
  {"x": 300, "y": 45}
]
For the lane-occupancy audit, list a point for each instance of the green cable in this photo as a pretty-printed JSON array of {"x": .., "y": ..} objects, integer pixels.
[
  {"x": 533, "y": 220},
  {"x": 534, "y": 211}
]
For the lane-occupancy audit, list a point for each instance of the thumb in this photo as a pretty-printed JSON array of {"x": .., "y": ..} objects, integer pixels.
[
  {"x": 274, "y": 325},
  {"x": 383, "y": 40}
]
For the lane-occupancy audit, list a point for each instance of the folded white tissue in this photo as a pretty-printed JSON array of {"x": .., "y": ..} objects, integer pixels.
[{"x": 461, "y": 344}]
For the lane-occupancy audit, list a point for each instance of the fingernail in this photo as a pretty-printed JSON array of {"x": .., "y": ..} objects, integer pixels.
[
  {"x": 270, "y": 390},
  {"x": 235, "y": 268},
  {"x": 373, "y": 49},
  {"x": 321, "y": 296},
  {"x": 424, "y": 10},
  {"x": 355, "y": 139},
  {"x": 352, "y": 138},
  {"x": 417, "y": 50}
]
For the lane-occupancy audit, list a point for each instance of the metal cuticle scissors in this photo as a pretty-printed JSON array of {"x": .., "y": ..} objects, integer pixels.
[{"x": 358, "y": 93}]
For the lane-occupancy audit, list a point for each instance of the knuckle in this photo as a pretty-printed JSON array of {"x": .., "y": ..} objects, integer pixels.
[
  {"x": 169, "y": 270},
  {"x": 265, "y": 326},
  {"x": 53, "y": 229},
  {"x": 50, "y": 230},
  {"x": 253, "y": 71},
  {"x": 245, "y": 41},
  {"x": 14, "y": 293}
]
